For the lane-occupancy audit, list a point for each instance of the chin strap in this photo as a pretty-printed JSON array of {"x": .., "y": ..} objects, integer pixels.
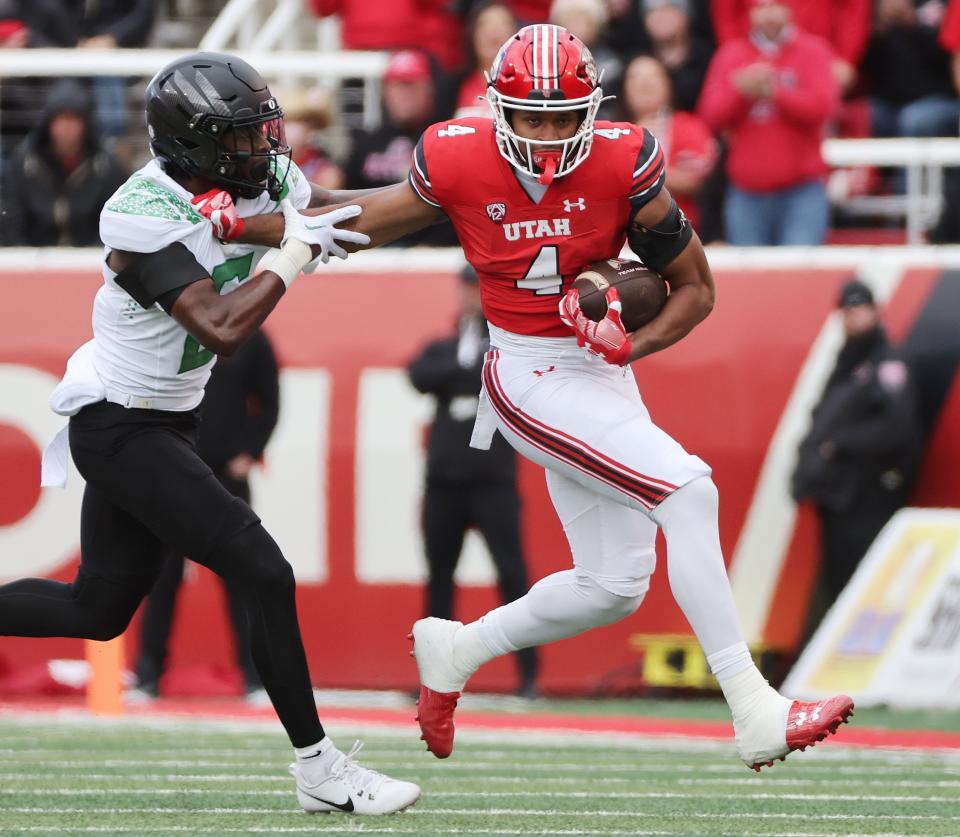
[{"x": 548, "y": 161}]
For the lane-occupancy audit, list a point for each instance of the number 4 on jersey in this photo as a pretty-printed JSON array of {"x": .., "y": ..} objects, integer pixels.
[
  {"x": 455, "y": 131},
  {"x": 543, "y": 276}
]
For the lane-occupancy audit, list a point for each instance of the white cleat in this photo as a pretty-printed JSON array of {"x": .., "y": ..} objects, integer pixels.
[
  {"x": 440, "y": 682},
  {"x": 762, "y": 735},
  {"x": 351, "y": 789},
  {"x": 433, "y": 650}
]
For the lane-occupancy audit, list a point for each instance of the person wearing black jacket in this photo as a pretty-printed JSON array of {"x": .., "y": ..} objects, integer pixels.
[
  {"x": 863, "y": 450},
  {"x": 237, "y": 417},
  {"x": 465, "y": 487},
  {"x": 59, "y": 177}
]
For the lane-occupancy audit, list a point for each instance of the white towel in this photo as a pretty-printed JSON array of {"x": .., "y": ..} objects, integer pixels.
[{"x": 79, "y": 386}]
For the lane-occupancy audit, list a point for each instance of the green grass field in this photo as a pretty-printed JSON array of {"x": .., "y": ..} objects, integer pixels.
[{"x": 69, "y": 777}]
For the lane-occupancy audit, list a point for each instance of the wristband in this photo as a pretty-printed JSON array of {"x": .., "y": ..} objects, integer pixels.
[{"x": 288, "y": 261}]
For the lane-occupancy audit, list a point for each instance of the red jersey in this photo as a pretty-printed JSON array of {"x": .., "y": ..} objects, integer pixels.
[{"x": 526, "y": 253}]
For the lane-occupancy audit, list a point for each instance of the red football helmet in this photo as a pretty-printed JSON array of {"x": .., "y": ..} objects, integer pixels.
[{"x": 544, "y": 68}]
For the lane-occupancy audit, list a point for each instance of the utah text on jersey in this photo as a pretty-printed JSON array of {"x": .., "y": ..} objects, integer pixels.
[{"x": 526, "y": 251}]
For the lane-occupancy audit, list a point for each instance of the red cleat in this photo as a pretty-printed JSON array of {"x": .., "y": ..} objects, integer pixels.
[
  {"x": 435, "y": 716},
  {"x": 808, "y": 723}
]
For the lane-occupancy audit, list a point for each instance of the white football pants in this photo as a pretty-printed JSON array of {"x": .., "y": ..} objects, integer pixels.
[{"x": 614, "y": 477}]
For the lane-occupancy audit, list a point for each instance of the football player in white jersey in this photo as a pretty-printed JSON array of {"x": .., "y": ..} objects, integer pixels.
[{"x": 172, "y": 298}]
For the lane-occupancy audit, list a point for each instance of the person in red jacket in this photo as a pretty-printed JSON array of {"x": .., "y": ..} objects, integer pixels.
[
  {"x": 772, "y": 93},
  {"x": 429, "y": 25},
  {"x": 844, "y": 24}
]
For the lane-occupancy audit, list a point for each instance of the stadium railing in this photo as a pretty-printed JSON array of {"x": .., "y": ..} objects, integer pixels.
[
  {"x": 923, "y": 160},
  {"x": 285, "y": 67}
]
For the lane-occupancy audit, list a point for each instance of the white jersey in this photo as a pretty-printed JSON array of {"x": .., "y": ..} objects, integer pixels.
[{"x": 144, "y": 355}]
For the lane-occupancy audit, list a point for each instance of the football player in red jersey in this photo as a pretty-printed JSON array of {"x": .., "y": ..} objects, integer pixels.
[{"x": 536, "y": 194}]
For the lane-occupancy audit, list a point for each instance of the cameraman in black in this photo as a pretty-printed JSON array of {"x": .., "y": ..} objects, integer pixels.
[
  {"x": 864, "y": 447},
  {"x": 468, "y": 488}
]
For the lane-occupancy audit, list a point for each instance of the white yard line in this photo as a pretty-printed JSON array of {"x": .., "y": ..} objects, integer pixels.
[
  {"x": 802, "y": 797},
  {"x": 496, "y": 812}
]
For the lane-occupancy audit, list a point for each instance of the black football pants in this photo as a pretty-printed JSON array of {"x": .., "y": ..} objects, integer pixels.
[
  {"x": 493, "y": 509},
  {"x": 158, "y": 611},
  {"x": 148, "y": 494}
]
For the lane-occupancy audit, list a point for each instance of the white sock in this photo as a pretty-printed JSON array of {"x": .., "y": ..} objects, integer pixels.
[
  {"x": 698, "y": 576},
  {"x": 470, "y": 650},
  {"x": 561, "y": 605},
  {"x": 317, "y": 758},
  {"x": 730, "y": 661}
]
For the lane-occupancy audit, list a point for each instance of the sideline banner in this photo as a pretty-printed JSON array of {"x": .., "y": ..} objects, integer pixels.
[
  {"x": 341, "y": 483},
  {"x": 893, "y": 636}
]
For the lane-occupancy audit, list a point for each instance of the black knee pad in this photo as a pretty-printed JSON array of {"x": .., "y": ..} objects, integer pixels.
[{"x": 252, "y": 559}]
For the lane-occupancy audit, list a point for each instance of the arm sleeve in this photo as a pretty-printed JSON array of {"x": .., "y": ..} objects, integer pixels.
[
  {"x": 648, "y": 172},
  {"x": 155, "y": 275},
  {"x": 419, "y": 176},
  {"x": 264, "y": 385},
  {"x": 816, "y": 95}
]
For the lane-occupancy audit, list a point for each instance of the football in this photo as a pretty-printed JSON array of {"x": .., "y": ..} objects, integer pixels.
[{"x": 642, "y": 292}]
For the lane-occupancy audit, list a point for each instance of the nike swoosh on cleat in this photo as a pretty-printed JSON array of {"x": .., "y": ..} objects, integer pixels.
[{"x": 346, "y": 807}]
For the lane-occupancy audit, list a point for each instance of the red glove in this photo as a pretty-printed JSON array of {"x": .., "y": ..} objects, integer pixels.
[
  {"x": 607, "y": 338},
  {"x": 217, "y": 207}
]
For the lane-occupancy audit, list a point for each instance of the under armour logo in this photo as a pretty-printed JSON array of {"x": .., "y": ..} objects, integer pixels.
[
  {"x": 569, "y": 206},
  {"x": 541, "y": 372}
]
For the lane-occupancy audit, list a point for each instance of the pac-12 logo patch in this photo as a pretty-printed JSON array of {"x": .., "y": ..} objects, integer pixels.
[{"x": 497, "y": 212}]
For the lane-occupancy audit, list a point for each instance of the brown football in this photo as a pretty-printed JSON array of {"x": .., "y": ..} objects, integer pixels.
[{"x": 642, "y": 292}]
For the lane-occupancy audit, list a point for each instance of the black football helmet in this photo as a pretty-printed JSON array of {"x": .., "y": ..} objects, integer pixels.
[{"x": 213, "y": 116}]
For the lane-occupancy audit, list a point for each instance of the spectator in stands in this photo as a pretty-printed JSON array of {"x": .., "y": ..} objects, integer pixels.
[
  {"x": 428, "y": 25},
  {"x": 21, "y": 99},
  {"x": 306, "y": 114},
  {"x": 844, "y": 24},
  {"x": 14, "y": 32},
  {"x": 238, "y": 414},
  {"x": 531, "y": 11},
  {"x": 858, "y": 460},
  {"x": 468, "y": 488},
  {"x": 912, "y": 93},
  {"x": 684, "y": 53},
  {"x": 772, "y": 94},
  {"x": 587, "y": 19},
  {"x": 688, "y": 145},
  {"x": 106, "y": 24},
  {"x": 57, "y": 181},
  {"x": 382, "y": 157},
  {"x": 489, "y": 26}
]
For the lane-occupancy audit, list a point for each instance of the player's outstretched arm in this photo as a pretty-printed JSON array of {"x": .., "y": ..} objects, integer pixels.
[
  {"x": 657, "y": 235},
  {"x": 388, "y": 214}
]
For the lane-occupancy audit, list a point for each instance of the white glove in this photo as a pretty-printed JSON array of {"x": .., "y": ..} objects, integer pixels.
[{"x": 321, "y": 230}]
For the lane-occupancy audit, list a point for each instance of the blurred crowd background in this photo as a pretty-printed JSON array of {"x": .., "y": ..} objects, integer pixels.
[{"x": 740, "y": 93}]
